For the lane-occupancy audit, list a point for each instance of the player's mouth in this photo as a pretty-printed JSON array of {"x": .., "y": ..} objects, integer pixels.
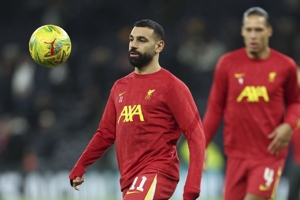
[
  {"x": 133, "y": 54},
  {"x": 253, "y": 45}
]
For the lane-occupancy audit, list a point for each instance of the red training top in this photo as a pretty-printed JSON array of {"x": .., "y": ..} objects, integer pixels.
[
  {"x": 145, "y": 115},
  {"x": 254, "y": 96}
]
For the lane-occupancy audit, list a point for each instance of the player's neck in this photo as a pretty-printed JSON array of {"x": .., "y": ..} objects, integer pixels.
[
  {"x": 148, "y": 69},
  {"x": 260, "y": 55}
]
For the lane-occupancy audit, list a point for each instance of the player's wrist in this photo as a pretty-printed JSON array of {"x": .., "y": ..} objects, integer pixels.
[
  {"x": 190, "y": 193},
  {"x": 291, "y": 124}
]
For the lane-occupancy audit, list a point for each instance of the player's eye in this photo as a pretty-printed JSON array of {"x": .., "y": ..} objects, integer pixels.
[{"x": 142, "y": 40}]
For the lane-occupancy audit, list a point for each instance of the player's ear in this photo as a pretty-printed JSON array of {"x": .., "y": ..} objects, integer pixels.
[
  {"x": 159, "y": 46},
  {"x": 270, "y": 30},
  {"x": 242, "y": 29}
]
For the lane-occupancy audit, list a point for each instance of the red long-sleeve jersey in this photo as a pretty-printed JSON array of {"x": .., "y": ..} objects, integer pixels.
[
  {"x": 254, "y": 96},
  {"x": 145, "y": 116}
]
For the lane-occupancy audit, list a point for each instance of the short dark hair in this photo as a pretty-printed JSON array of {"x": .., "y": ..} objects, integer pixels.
[
  {"x": 157, "y": 28},
  {"x": 257, "y": 11}
]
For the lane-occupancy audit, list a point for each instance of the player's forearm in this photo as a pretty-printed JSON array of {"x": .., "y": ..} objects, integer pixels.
[
  {"x": 95, "y": 149},
  {"x": 196, "y": 143},
  {"x": 292, "y": 115},
  {"x": 193, "y": 180},
  {"x": 211, "y": 122}
]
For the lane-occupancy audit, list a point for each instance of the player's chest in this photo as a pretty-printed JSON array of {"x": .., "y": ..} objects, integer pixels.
[
  {"x": 255, "y": 83},
  {"x": 139, "y": 101}
]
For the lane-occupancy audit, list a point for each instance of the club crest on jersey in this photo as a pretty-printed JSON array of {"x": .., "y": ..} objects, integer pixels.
[
  {"x": 239, "y": 77},
  {"x": 272, "y": 76},
  {"x": 149, "y": 94}
]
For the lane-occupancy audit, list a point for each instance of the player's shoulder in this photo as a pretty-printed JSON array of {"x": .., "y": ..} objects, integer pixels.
[
  {"x": 170, "y": 77},
  {"x": 282, "y": 58},
  {"x": 231, "y": 59},
  {"x": 124, "y": 79},
  {"x": 173, "y": 82},
  {"x": 166, "y": 73},
  {"x": 232, "y": 55}
]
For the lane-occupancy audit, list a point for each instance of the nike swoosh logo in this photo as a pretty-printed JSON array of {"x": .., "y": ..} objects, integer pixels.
[
  {"x": 264, "y": 188},
  {"x": 132, "y": 192},
  {"x": 121, "y": 93},
  {"x": 239, "y": 75}
]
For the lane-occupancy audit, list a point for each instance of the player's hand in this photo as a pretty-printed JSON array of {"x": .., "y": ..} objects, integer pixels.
[
  {"x": 77, "y": 181},
  {"x": 280, "y": 137}
]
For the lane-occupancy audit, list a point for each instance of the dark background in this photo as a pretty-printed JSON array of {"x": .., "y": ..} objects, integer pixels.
[{"x": 47, "y": 116}]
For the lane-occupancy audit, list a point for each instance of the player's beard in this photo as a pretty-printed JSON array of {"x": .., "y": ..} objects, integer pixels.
[
  {"x": 141, "y": 60},
  {"x": 254, "y": 53}
]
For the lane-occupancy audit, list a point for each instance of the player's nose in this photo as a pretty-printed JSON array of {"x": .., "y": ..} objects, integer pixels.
[
  {"x": 253, "y": 35},
  {"x": 133, "y": 45}
]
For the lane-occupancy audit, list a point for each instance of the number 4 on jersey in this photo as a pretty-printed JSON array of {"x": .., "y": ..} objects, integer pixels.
[{"x": 269, "y": 178}]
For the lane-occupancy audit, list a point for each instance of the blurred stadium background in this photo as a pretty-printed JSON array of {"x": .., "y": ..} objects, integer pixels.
[{"x": 47, "y": 116}]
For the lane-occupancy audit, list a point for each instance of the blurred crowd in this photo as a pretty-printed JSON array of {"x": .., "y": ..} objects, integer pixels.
[{"x": 48, "y": 115}]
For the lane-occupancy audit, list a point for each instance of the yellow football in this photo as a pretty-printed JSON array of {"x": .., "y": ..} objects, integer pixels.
[{"x": 50, "y": 46}]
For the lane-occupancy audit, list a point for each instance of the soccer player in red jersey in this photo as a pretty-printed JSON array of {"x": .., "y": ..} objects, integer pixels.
[
  {"x": 255, "y": 91},
  {"x": 145, "y": 115},
  {"x": 294, "y": 171}
]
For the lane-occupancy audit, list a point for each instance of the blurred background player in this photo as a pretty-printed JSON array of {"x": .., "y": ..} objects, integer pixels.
[
  {"x": 145, "y": 114},
  {"x": 255, "y": 90},
  {"x": 294, "y": 168}
]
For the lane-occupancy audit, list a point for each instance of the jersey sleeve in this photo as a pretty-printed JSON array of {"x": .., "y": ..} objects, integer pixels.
[
  {"x": 185, "y": 112},
  {"x": 101, "y": 141},
  {"x": 291, "y": 95},
  {"x": 216, "y": 101}
]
